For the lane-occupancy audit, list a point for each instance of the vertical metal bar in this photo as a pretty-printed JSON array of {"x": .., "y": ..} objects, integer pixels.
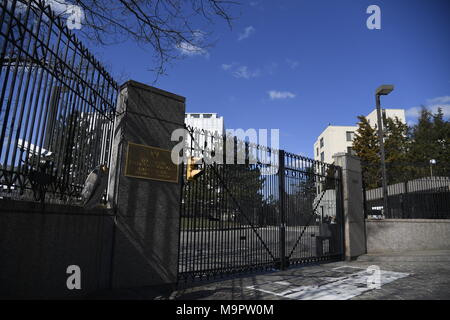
[
  {"x": 97, "y": 111},
  {"x": 261, "y": 210},
  {"x": 187, "y": 208},
  {"x": 224, "y": 213},
  {"x": 180, "y": 210},
  {"x": 11, "y": 12},
  {"x": 205, "y": 187},
  {"x": 228, "y": 210},
  {"x": 16, "y": 104},
  {"x": 55, "y": 95},
  {"x": 275, "y": 214},
  {"x": 9, "y": 100},
  {"x": 208, "y": 218},
  {"x": 198, "y": 211},
  {"x": 87, "y": 164},
  {"x": 216, "y": 230},
  {"x": 44, "y": 48},
  {"x": 28, "y": 106},
  {"x": 281, "y": 179},
  {"x": 39, "y": 71},
  {"x": 24, "y": 106},
  {"x": 86, "y": 115},
  {"x": 215, "y": 227},
  {"x": 68, "y": 136},
  {"x": 61, "y": 115},
  {"x": 233, "y": 173},
  {"x": 196, "y": 216},
  {"x": 47, "y": 105}
]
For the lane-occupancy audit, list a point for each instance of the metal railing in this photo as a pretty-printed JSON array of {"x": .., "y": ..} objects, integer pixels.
[
  {"x": 415, "y": 191},
  {"x": 57, "y": 106}
]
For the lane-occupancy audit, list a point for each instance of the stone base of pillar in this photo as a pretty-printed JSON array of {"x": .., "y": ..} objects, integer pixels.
[
  {"x": 353, "y": 205},
  {"x": 146, "y": 201}
]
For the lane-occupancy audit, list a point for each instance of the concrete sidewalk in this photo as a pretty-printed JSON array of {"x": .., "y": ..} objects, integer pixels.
[
  {"x": 408, "y": 256},
  {"x": 418, "y": 275}
]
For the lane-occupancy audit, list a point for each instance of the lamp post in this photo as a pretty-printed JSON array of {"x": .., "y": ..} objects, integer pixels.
[
  {"x": 383, "y": 90},
  {"x": 432, "y": 161}
]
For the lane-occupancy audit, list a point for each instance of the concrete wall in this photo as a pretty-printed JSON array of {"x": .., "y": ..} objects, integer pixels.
[
  {"x": 38, "y": 243},
  {"x": 407, "y": 235}
]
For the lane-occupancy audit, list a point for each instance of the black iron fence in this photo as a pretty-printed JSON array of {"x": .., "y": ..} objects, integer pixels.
[
  {"x": 255, "y": 208},
  {"x": 57, "y": 106},
  {"x": 415, "y": 191}
]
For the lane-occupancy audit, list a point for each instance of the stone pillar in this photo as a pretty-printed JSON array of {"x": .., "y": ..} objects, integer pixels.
[
  {"x": 353, "y": 205},
  {"x": 145, "y": 188}
]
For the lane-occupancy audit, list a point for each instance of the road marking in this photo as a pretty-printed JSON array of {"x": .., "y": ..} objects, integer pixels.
[{"x": 329, "y": 288}]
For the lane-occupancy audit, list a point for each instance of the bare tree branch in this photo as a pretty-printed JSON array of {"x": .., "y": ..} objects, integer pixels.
[{"x": 170, "y": 28}]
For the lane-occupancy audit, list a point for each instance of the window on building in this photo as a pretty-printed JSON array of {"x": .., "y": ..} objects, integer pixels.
[
  {"x": 195, "y": 116},
  {"x": 350, "y": 135},
  {"x": 317, "y": 151},
  {"x": 321, "y": 142},
  {"x": 207, "y": 116},
  {"x": 322, "y": 156}
]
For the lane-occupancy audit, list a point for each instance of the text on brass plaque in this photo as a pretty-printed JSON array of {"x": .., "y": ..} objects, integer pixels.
[{"x": 150, "y": 163}]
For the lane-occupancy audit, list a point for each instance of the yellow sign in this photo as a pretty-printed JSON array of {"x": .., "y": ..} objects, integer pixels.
[
  {"x": 193, "y": 168},
  {"x": 150, "y": 163}
]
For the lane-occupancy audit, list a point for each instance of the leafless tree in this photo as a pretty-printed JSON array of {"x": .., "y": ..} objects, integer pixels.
[{"x": 168, "y": 27}]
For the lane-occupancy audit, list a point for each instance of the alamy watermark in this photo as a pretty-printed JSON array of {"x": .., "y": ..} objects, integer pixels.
[
  {"x": 74, "y": 14},
  {"x": 374, "y": 279},
  {"x": 73, "y": 281},
  {"x": 374, "y": 20},
  {"x": 75, "y": 18},
  {"x": 238, "y": 146}
]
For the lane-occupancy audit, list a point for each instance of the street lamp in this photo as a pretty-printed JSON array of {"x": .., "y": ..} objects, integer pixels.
[
  {"x": 383, "y": 90},
  {"x": 432, "y": 161}
]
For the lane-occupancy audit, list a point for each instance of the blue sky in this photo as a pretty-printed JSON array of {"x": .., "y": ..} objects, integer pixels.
[{"x": 299, "y": 65}]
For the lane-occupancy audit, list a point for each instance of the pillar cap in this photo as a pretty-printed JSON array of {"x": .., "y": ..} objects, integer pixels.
[{"x": 132, "y": 83}]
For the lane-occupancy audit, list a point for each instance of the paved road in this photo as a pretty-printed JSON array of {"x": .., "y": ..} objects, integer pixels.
[{"x": 412, "y": 275}]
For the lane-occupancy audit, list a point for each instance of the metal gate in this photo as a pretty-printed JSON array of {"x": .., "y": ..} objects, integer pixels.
[{"x": 254, "y": 208}]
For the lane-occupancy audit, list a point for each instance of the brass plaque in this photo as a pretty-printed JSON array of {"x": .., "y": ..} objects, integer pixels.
[{"x": 150, "y": 163}]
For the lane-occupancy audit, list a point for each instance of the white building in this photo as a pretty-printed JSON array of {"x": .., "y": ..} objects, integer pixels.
[
  {"x": 335, "y": 139},
  {"x": 390, "y": 113},
  {"x": 206, "y": 121},
  {"x": 332, "y": 140},
  {"x": 208, "y": 128}
]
